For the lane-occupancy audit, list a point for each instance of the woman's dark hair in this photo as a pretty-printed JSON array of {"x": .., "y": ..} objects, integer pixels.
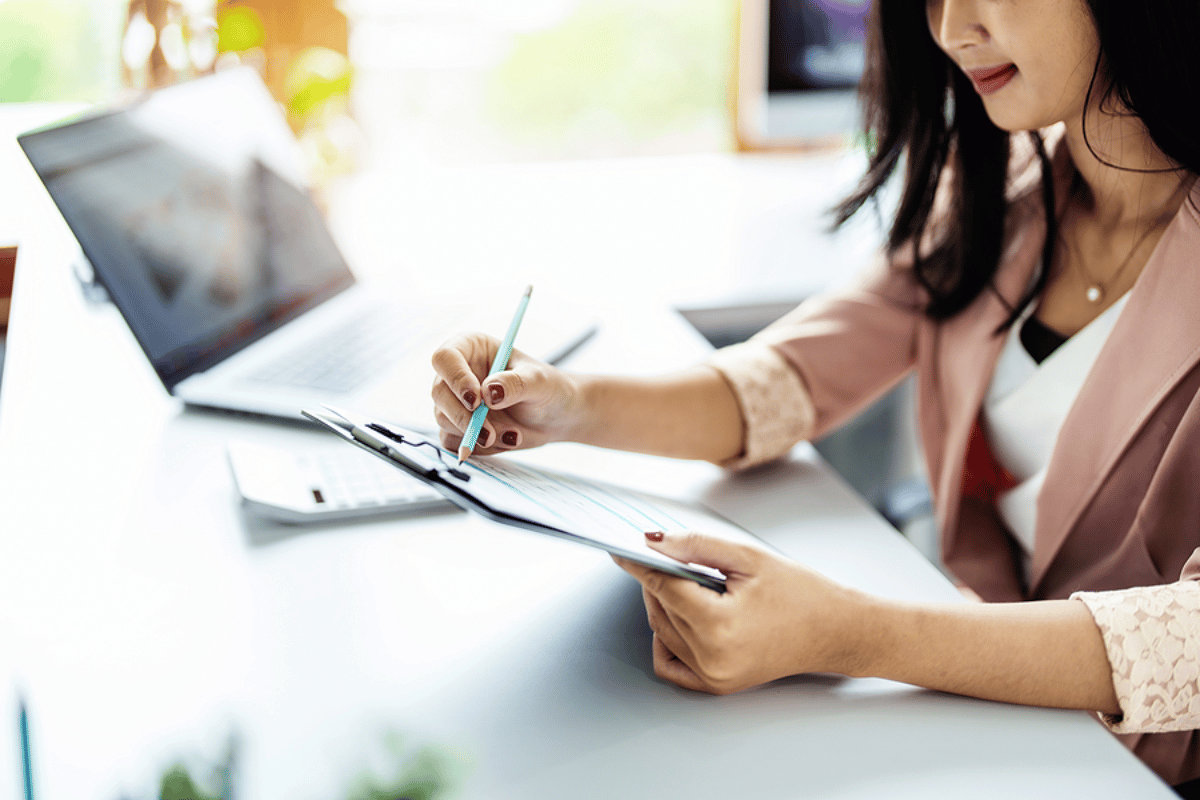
[
  {"x": 919, "y": 108},
  {"x": 1148, "y": 50}
]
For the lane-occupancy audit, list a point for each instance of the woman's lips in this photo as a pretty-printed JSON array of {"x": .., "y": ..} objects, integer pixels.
[{"x": 992, "y": 79}]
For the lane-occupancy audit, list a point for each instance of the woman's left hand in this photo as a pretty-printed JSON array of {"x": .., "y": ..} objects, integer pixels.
[{"x": 776, "y": 617}]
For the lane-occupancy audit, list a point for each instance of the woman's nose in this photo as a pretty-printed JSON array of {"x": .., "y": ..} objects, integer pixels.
[{"x": 956, "y": 24}]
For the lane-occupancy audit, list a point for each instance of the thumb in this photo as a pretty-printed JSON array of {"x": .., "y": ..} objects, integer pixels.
[
  {"x": 692, "y": 547},
  {"x": 523, "y": 382}
]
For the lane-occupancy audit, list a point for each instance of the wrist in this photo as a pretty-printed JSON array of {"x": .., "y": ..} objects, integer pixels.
[
  {"x": 579, "y": 415},
  {"x": 861, "y": 634}
]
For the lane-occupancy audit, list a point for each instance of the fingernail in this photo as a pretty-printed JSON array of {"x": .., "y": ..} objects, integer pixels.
[
  {"x": 469, "y": 399},
  {"x": 496, "y": 392},
  {"x": 509, "y": 438},
  {"x": 654, "y": 536},
  {"x": 482, "y": 439}
]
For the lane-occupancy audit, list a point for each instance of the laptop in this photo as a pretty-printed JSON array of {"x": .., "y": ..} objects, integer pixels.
[{"x": 192, "y": 208}]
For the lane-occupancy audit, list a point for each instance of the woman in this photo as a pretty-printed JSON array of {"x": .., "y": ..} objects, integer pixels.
[{"x": 1040, "y": 279}]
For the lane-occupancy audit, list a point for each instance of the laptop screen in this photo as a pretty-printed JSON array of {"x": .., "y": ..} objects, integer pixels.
[{"x": 203, "y": 251}]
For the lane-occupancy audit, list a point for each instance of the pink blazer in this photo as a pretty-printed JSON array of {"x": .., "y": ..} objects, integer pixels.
[{"x": 1120, "y": 505}]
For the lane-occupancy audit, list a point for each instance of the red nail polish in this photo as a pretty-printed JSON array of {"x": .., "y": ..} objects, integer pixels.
[
  {"x": 469, "y": 399},
  {"x": 482, "y": 438},
  {"x": 496, "y": 392},
  {"x": 509, "y": 438},
  {"x": 654, "y": 536}
]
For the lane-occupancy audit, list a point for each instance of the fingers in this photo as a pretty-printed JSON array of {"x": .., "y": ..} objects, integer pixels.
[
  {"x": 673, "y": 657},
  {"x": 681, "y": 647},
  {"x": 674, "y": 607},
  {"x": 683, "y": 595},
  {"x": 667, "y": 628},
  {"x": 462, "y": 365},
  {"x": 451, "y": 415},
  {"x": 488, "y": 442},
  {"x": 691, "y": 547},
  {"x": 457, "y": 392},
  {"x": 459, "y": 364},
  {"x": 510, "y": 386},
  {"x": 723, "y": 643},
  {"x": 452, "y": 437},
  {"x": 650, "y": 578},
  {"x": 671, "y": 668}
]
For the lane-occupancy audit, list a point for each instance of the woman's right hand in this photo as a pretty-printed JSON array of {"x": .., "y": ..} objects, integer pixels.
[{"x": 531, "y": 402}]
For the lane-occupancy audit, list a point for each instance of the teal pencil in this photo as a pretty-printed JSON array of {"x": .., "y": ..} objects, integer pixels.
[
  {"x": 499, "y": 365},
  {"x": 26, "y": 754}
]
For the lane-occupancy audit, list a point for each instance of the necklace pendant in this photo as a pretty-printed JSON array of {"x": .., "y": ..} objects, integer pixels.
[{"x": 1094, "y": 294}]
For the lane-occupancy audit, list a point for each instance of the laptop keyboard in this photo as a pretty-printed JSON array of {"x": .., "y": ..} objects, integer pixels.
[{"x": 344, "y": 360}]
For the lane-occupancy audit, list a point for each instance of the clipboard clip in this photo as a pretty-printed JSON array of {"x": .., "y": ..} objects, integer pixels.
[
  {"x": 354, "y": 428},
  {"x": 399, "y": 439}
]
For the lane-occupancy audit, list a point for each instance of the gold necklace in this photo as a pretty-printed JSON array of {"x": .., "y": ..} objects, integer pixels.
[{"x": 1096, "y": 289}]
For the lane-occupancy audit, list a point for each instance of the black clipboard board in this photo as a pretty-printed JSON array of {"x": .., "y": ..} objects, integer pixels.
[{"x": 518, "y": 495}]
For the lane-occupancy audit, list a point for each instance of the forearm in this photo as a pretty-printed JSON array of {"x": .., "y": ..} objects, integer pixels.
[
  {"x": 691, "y": 414},
  {"x": 1047, "y": 653}
]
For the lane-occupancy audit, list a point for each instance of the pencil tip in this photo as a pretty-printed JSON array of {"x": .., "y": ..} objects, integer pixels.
[{"x": 463, "y": 452}]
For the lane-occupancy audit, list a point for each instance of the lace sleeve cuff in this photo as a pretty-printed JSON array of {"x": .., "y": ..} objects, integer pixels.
[
  {"x": 1152, "y": 636},
  {"x": 777, "y": 411}
]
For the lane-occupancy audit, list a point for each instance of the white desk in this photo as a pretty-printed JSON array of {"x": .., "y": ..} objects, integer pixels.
[{"x": 144, "y": 616}]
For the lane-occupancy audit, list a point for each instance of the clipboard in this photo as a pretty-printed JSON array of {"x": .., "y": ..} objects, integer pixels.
[{"x": 607, "y": 517}]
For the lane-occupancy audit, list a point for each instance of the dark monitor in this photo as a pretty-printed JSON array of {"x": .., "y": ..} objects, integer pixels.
[{"x": 799, "y": 65}]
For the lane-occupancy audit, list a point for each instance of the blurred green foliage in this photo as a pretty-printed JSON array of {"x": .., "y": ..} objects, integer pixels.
[
  {"x": 177, "y": 784},
  {"x": 315, "y": 76},
  {"x": 239, "y": 28},
  {"x": 425, "y": 772},
  {"x": 217, "y": 783},
  {"x": 53, "y": 51},
  {"x": 612, "y": 76},
  {"x": 648, "y": 66},
  {"x": 411, "y": 770}
]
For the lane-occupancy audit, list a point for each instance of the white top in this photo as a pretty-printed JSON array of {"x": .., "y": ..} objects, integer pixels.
[{"x": 1024, "y": 409}]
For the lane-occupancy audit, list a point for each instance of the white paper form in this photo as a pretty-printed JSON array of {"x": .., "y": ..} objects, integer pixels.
[
  {"x": 600, "y": 515},
  {"x": 609, "y": 515}
]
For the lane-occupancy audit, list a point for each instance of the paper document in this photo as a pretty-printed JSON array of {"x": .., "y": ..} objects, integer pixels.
[
  {"x": 599, "y": 515},
  {"x": 609, "y": 515}
]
